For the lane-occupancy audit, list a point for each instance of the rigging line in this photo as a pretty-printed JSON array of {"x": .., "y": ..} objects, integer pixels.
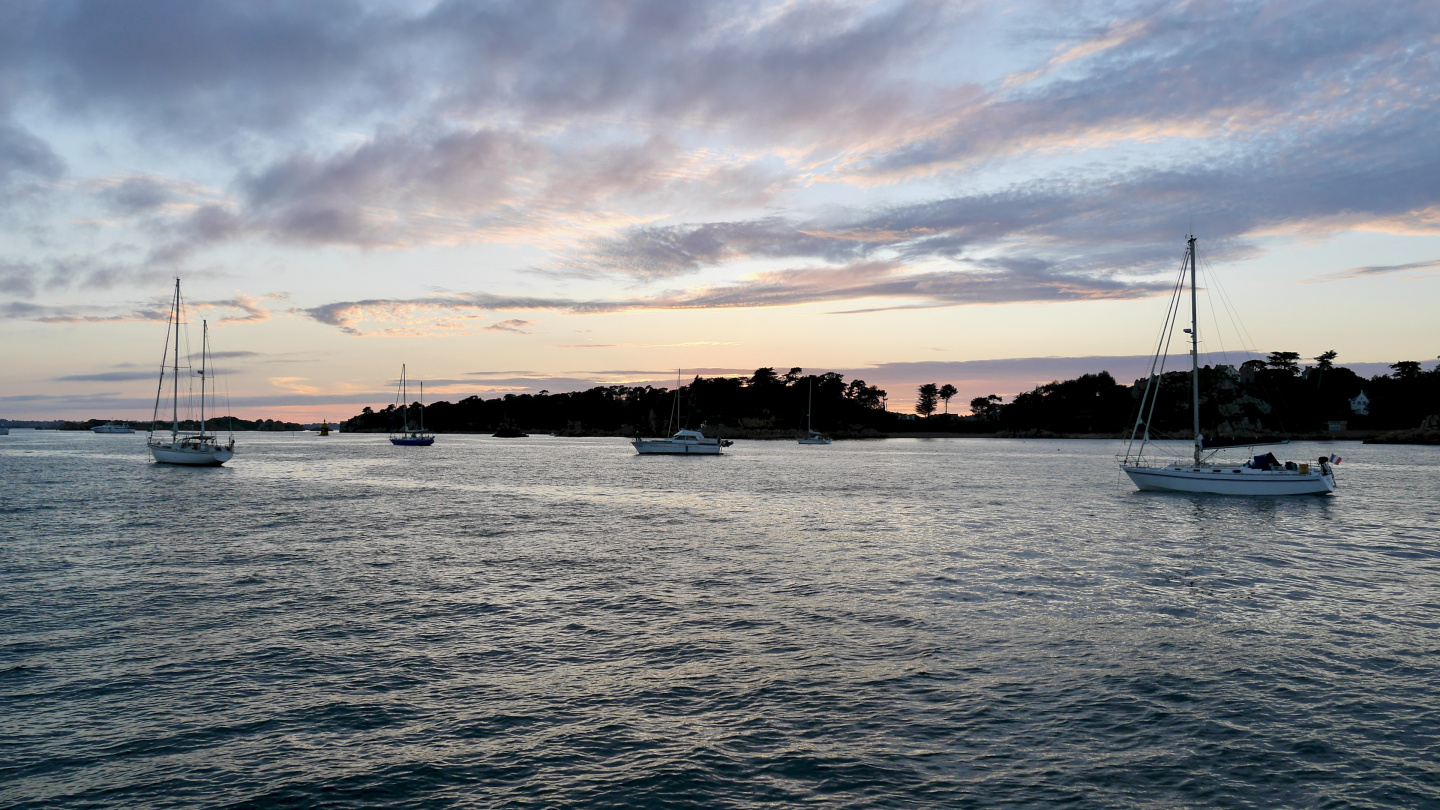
[
  {"x": 1163, "y": 359},
  {"x": 1232, "y": 312},
  {"x": 164, "y": 357},
  {"x": 1169, "y": 335},
  {"x": 1151, "y": 384},
  {"x": 1280, "y": 406},
  {"x": 1214, "y": 318},
  {"x": 1162, "y": 350},
  {"x": 1159, "y": 342}
]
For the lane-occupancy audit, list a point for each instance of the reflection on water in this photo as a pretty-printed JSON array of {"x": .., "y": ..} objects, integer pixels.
[{"x": 561, "y": 622}]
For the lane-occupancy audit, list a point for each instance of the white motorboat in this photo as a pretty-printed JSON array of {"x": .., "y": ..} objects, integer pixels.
[
  {"x": 187, "y": 449},
  {"x": 113, "y": 427},
  {"x": 814, "y": 436},
  {"x": 1261, "y": 475},
  {"x": 682, "y": 442}
]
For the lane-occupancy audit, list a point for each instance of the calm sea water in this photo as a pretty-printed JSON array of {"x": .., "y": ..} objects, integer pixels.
[{"x": 546, "y": 622}]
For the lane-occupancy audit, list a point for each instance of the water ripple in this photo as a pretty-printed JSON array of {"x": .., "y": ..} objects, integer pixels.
[{"x": 550, "y": 622}]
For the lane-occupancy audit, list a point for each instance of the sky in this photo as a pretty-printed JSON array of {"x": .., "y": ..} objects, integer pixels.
[{"x": 550, "y": 195}]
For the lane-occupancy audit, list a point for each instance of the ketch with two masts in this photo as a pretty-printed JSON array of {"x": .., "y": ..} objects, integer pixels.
[
  {"x": 1263, "y": 475},
  {"x": 188, "y": 449}
]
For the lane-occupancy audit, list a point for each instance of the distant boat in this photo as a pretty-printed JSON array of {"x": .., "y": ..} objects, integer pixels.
[
  {"x": 324, "y": 427},
  {"x": 113, "y": 427},
  {"x": 191, "y": 449},
  {"x": 815, "y": 437},
  {"x": 1262, "y": 475},
  {"x": 410, "y": 435},
  {"x": 682, "y": 442},
  {"x": 4, "y": 431}
]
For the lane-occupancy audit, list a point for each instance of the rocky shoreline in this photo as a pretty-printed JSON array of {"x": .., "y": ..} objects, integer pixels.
[{"x": 1427, "y": 433}]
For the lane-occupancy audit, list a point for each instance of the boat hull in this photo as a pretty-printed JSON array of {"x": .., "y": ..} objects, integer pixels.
[
  {"x": 666, "y": 447},
  {"x": 190, "y": 456},
  {"x": 425, "y": 441},
  {"x": 1230, "y": 480},
  {"x": 813, "y": 441},
  {"x": 111, "y": 429}
]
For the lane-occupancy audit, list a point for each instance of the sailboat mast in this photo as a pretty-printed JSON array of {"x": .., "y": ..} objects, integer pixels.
[
  {"x": 404, "y": 402},
  {"x": 810, "y": 405},
  {"x": 674, "y": 407},
  {"x": 422, "y": 406},
  {"x": 1195, "y": 353},
  {"x": 175, "y": 372},
  {"x": 204, "y": 349}
]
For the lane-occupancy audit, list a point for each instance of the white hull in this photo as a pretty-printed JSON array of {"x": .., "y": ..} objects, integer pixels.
[
  {"x": 206, "y": 455},
  {"x": 814, "y": 440},
  {"x": 1229, "y": 479},
  {"x": 670, "y": 447},
  {"x": 111, "y": 429}
]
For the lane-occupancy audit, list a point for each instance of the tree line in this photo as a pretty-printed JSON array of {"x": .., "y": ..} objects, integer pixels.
[
  {"x": 1271, "y": 396},
  {"x": 766, "y": 401},
  {"x": 1260, "y": 396}
]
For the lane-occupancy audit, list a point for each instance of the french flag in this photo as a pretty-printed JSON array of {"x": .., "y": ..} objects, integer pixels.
[{"x": 1334, "y": 459}]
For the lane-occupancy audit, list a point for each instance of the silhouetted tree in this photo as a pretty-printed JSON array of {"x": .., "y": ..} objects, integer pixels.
[
  {"x": 946, "y": 392},
  {"x": 1405, "y": 370},
  {"x": 985, "y": 407},
  {"x": 925, "y": 404},
  {"x": 1323, "y": 363},
  {"x": 1284, "y": 361}
]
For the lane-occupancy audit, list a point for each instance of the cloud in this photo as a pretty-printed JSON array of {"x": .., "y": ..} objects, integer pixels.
[
  {"x": 156, "y": 310},
  {"x": 296, "y": 385},
  {"x": 24, "y": 159},
  {"x": 653, "y": 140},
  {"x": 108, "y": 376},
  {"x": 20, "y": 310},
  {"x": 1378, "y": 270},
  {"x": 857, "y": 281},
  {"x": 511, "y": 325}
]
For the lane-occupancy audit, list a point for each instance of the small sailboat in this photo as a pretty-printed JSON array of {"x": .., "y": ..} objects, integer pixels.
[
  {"x": 682, "y": 442},
  {"x": 187, "y": 449},
  {"x": 814, "y": 436},
  {"x": 1262, "y": 475},
  {"x": 410, "y": 435}
]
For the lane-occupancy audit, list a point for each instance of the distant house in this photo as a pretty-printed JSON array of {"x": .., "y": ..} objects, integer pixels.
[{"x": 1360, "y": 405}]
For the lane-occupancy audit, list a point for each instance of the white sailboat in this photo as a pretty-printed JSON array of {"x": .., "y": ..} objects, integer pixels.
[
  {"x": 188, "y": 449},
  {"x": 682, "y": 442},
  {"x": 410, "y": 435},
  {"x": 1263, "y": 475},
  {"x": 813, "y": 436}
]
